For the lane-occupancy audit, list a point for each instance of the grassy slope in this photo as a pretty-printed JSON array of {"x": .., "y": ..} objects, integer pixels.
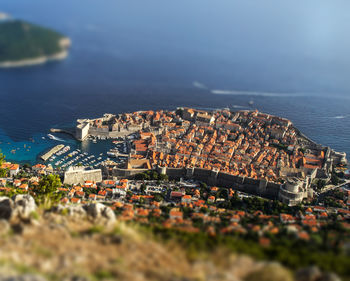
[
  {"x": 21, "y": 40},
  {"x": 59, "y": 247}
]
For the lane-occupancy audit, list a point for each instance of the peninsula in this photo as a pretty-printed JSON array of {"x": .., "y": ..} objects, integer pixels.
[
  {"x": 250, "y": 151},
  {"x": 25, "y": 44}
]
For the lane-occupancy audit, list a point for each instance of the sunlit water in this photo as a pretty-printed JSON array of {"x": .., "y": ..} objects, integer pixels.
[{"x": 133, "y": 55}]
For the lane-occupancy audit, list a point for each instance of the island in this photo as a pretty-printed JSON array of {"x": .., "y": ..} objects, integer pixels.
[{"x": 25, "y": 44}]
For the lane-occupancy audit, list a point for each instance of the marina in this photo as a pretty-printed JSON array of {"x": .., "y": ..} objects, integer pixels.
[{"x": 88, "y": 154}]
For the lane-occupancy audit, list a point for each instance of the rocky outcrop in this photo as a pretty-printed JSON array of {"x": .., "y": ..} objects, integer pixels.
[
  {"x": 6, "y": 207},
  {"x": 313, "y": 273},
  {"x": 76, "y": 211},
  {"x": 24, "y": 205},
  {"x": 100, "y": 213},
  {"x": 97, "y": 212},
  {"x": 20, "y": 206}
]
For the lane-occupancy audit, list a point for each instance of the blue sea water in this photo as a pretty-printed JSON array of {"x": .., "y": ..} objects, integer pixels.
[{"x": 290, "y": 57}]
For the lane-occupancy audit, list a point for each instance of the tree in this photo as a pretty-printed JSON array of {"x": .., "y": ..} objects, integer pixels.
[
  {"x": 48, "y": 185},
  {"x": 143, "y": 188},
  {"x": 158, "y": 197},
  {"x": 334, "y": 179},
  {"x": 223, "y": 193},
  {"x": 3, "y": 172},
  {"x": 154, "y": 175},
  {"x": 321, "y": 184},
  {"x": 163, "y": 177}
]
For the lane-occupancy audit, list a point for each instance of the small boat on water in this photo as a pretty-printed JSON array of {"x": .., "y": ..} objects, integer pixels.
[
  {"x": 251, "y": 103},
  {"x": 51, "y": 137}
]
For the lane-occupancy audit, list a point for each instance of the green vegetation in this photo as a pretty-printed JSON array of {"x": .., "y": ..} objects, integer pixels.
[
  {"x": 292, "y": 253},
  {"x": 3, "y": 172},
  {"x": 281, "y": 146},
  {"x": 20, "y": 40},
  {"x": 103, "y": 275},
  {"x": 46, "y": 190},
  {"x": 48, "y": 184},
  {"x": 266, "y": 206},
  {"x": 334, "y": 179},
  {"x": 151, "y": 175},
  {"x": 95, "y": 229}
]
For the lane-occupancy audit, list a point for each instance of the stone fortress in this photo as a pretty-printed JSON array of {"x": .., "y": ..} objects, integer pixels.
[{"x": 108, "y": 126}]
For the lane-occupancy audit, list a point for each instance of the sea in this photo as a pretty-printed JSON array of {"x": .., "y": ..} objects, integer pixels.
[{"x": 289, "y": 58}]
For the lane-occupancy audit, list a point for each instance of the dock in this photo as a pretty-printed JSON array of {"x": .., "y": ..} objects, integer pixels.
[{"x": 52, "y": 151}]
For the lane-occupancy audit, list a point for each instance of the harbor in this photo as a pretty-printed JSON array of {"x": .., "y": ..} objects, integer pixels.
[{"x": 92, "y": 152}]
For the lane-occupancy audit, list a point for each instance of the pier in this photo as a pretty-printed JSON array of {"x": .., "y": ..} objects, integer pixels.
[{"x": 52, "y": 151}]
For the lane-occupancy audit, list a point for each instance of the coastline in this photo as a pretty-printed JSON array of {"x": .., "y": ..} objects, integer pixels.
[{"x": 63, "y": 54}]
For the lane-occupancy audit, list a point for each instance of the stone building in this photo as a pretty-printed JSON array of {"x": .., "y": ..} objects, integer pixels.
[
  {"x": 78, "y": 175},
  {"x": 82, "y": 130},
  {"x": 293, "y": 191}
]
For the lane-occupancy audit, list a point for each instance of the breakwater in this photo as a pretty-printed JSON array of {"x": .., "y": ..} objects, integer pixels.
[
  {"x": 52, "y": 151},
  {"x": 70, "y": 132}
]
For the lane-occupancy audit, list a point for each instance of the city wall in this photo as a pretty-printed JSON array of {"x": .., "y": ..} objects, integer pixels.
[
  {"x": 104, "y": 132},
  {"x": 257, "y": 187},
  {"x": 126, "y": 173}
]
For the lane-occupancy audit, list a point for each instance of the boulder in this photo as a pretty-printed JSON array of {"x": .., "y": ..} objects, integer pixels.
[
  {"x": 24, "y": 205},
  {"x": 6, "y": 207},
  {"x": 57, "y": 209},
  {"x": 100, "y": 213},
  {"x": 329, "y": 277},
  {"x": 70, "y": 210},
  {"x": 76, "y": 211},
  {"x": 312, "y": 273}
]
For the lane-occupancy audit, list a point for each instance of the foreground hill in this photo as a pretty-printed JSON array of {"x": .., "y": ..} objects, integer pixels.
[
  {"x": 23, "y": 43},
  {"x": 87, "y": 242}
]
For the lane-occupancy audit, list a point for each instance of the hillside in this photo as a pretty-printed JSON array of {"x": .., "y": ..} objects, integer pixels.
[
  {"x": 25, "y": 43},
  {"x": 87, "y": 242}
]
